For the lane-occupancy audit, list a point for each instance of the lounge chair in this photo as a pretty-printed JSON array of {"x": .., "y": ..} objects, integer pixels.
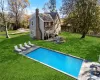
[
  {"x": 93, "y": 78},
  {"x": 95, "y": 70},
  {"x": 21, "y": 47},
  {"x": 30, "y": 44},
  {"x": 26, "y": 45},
  {"x": 17, "y": 49}
]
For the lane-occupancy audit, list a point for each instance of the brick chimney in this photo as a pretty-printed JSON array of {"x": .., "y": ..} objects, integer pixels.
[{"x": 38, "y": 31}]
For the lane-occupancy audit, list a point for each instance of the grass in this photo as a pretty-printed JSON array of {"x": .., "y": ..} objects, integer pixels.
[
  {"x": 16, "y": 67},
  {"x": 11, "y": 31}
]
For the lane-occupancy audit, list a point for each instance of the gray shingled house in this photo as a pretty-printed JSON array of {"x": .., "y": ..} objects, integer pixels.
[{"x": 44, "y": 25}]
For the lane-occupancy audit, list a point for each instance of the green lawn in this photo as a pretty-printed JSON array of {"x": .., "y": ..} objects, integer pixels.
[
  {"x": 16, "y": 67},
  {"x": 8, "y": 31}
]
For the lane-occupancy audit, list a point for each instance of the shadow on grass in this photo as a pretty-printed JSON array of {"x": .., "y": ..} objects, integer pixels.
[
  {"x": 93, "y": 53},
  {"x": 7, "y": 48},
  {"x": 87, "y": 48}
]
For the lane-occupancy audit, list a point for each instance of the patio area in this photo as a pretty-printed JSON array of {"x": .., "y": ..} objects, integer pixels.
[{"x": 85, "y": 71}]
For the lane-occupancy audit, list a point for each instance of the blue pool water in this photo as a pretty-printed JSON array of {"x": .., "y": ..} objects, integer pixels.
[{"x": 61, "y": 62}]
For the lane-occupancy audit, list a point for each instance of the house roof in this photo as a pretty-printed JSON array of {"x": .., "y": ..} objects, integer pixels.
[
  {"x": 49, "y": 17},
  {"x": 46, "y": 17},
  {"x": 53, "y": 15}
]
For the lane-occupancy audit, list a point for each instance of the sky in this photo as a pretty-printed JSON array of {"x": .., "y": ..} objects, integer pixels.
[{"x": 39, "y": 4}]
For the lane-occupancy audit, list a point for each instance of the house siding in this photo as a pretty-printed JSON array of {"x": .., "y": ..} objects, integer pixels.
[
  {"x": 41, "y": 23},
  {"x": 57, "y": 25},
  {"x": 33, "y": 27}
]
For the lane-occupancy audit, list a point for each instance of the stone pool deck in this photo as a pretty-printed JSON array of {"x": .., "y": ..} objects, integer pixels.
[
  {"x": 85, "y": 71},
  {"x": 30, "y": 49}
]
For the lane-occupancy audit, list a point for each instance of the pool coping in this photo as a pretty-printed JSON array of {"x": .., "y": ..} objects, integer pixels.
[{"x": 53, "y": 67}]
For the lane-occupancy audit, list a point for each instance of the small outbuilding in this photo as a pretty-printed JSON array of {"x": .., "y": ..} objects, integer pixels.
[{"x": 44, "y": 24}]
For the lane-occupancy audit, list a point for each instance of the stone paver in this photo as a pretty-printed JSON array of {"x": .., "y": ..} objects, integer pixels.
[{"x": 85, "y": 71}]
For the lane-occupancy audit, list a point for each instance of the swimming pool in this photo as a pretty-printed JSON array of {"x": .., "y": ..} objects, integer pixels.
[{"x": 61, "y": 62}]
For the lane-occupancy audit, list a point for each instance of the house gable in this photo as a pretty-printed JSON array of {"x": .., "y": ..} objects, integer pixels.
[{"x": 46, "y": 17}]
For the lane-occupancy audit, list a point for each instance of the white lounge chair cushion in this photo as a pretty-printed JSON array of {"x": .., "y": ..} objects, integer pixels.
[
  {"x": 17, "y": 49},
  {"x": 23, "y": 48},
  {"x": 30, "y": 43},
  {"x": 27, "y": 46}
]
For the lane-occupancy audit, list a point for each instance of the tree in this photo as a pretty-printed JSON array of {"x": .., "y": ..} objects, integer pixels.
[
  {"x": 51, "y": 6},
  {"x": 86, "y": 12},
  {"x": 25, "y": 21},
  {"x": 3, "y": 16},
  {"x": 16, "y": 8},
  {"x": 96, "y": 27},
  {"x": 46, "y": 7}
]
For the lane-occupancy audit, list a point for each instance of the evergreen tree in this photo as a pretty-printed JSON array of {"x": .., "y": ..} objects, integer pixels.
[{"x": 52, "y": 5}]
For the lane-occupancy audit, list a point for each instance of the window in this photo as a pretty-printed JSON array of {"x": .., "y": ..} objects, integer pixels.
[
  {"x": 46, "y": 24},
  {"x": 51, "y": 23},
  {"x": 32, "y": 22}
]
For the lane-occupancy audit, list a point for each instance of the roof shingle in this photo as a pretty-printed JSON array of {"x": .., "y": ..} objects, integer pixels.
[{"x": 46, "y": 17}]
